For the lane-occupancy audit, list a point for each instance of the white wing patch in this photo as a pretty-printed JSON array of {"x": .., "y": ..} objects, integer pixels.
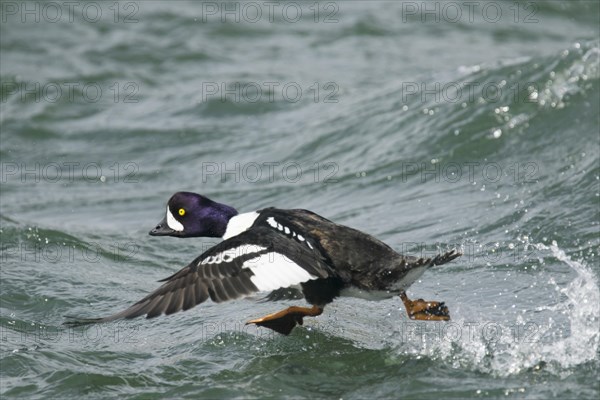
[
  {"x": 231, "y": 254},
  {"x": 239, "y": 224},
  {"x": 271, "y": 221},
  {"x": 274, "y": 224},
  {"x": 273, "y": 271},
  {"x": 172, "y": 222}
]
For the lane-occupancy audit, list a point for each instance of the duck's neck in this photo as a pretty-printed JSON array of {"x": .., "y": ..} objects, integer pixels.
[{"x": 220, "y": 216}]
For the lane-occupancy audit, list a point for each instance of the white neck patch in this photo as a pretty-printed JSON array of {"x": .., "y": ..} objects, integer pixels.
[
  {"x": 172, "y": 222},
  {"x": 239, "y": 224}
]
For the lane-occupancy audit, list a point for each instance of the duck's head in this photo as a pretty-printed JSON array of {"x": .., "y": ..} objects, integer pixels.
[{"x": 190, "y": 214}]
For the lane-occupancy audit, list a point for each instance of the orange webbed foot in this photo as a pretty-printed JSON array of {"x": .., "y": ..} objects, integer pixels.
[
  {"x": 425, "y": 310},
  {"x": 284, "y": 321}
]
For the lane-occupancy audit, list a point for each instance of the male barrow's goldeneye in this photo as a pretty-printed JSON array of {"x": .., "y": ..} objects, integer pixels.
[{"x": 271, "y": 249}]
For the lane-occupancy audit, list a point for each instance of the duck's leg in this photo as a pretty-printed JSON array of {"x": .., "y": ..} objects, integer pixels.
[
  {"x": 425, "y": 310},
  {"x": 285, "y": 320}
]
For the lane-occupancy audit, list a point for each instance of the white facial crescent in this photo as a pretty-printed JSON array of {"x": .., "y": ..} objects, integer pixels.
[{"x": 172, "y": 222}]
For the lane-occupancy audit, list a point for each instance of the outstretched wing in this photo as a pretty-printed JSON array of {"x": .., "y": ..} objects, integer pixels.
[{"x": 261, "y": 259}]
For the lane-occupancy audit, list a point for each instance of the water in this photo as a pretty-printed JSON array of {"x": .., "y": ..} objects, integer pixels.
[{"x": 427, "y": 130}]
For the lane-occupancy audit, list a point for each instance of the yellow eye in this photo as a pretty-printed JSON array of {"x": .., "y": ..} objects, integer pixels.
[{"x": 181, "y": 212}]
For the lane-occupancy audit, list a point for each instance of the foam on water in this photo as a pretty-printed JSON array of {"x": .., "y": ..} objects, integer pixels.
[
  {"x": 540, "y": 342},
  {"x": 581, "y": 305}
]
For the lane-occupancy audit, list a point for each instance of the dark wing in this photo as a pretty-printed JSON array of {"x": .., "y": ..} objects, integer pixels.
[{"x": 261, "y": 259}]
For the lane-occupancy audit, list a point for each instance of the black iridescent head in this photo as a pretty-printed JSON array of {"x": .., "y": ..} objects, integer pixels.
[{"x": 190, "y": 214}]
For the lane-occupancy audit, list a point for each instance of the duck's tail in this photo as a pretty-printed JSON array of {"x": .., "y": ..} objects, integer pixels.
[{"x": 446, "y": 257}]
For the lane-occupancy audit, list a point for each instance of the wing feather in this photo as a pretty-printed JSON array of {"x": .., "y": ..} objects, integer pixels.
[
  {"x": 158, "y": 305},
  {"x": 219, "y": 292}
]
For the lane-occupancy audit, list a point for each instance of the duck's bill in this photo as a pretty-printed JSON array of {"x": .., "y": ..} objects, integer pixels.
[{"x": 162, "y": 229}]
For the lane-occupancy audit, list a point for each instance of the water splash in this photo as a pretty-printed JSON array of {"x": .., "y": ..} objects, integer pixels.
[
  {"x": 510, "y": 347},
  {"x": 583, "y": 297}
]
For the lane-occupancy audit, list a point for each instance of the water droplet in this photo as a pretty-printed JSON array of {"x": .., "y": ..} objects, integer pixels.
[{"x": 533, "y": 95}]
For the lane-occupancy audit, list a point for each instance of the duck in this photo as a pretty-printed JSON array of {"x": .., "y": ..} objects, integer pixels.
[{"x": 285, "y": 252}]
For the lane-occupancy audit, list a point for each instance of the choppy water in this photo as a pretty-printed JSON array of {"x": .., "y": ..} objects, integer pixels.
[{"x": 457, "y": 126}]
